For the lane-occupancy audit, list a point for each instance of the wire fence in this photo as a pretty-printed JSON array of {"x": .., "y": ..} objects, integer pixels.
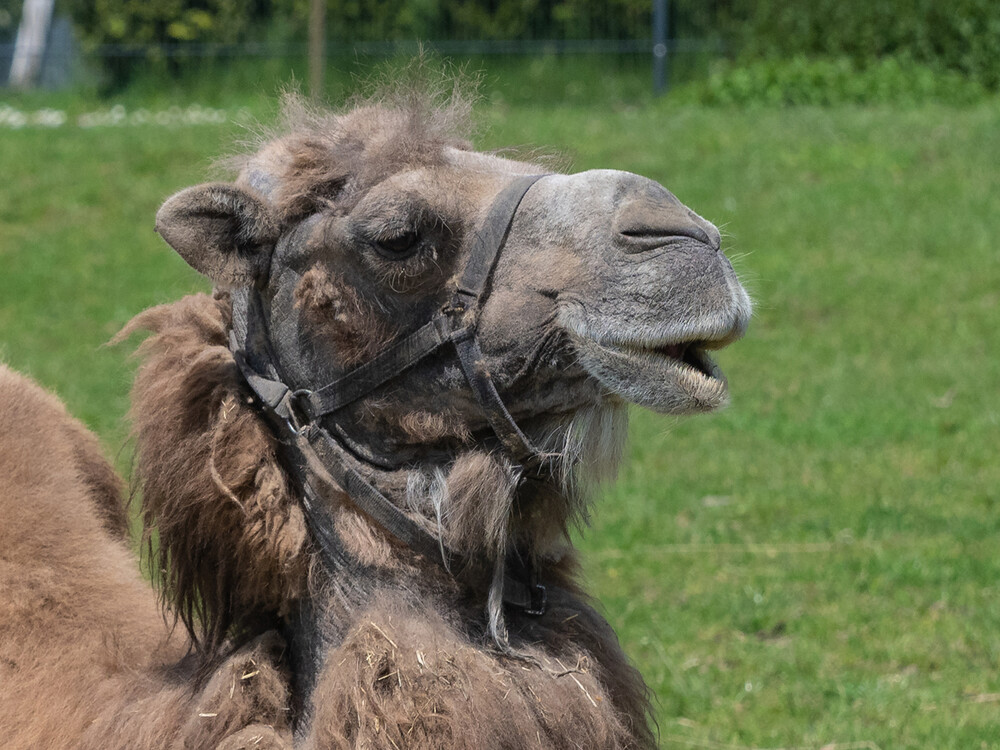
[{"x": 657, "y": 41}]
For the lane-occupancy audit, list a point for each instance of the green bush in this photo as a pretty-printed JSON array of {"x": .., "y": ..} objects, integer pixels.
[
  {"x": 799, "y": 80},
  {"x": 129, "y": 33},
  {"x": 926, "y": 37},
  {"x": 149, "y": 23},
  {"x": 146, "y": 22},
  {"x": 10, "y": 15},
  {"x": 958, "y": 35},
  {"x": 140, "y": 32},
  {"x": 380, "y": 20}
]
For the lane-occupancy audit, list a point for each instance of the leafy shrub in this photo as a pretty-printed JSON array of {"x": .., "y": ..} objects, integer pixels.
[
  {"x": 799, "y": 80},
  {"x": 10, "y": 15},
  {"x": 923, "y": 37},
  {"x": 378, "y": 20},
  {"x": 145, "y": 23},
  {"x": 958, "y": 35},
  {"x": 131, "y": 32}
]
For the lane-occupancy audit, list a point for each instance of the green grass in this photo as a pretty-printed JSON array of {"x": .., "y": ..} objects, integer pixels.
[
  {"x": 518, "y": 80},
  {"x": 817, "y": 564}
]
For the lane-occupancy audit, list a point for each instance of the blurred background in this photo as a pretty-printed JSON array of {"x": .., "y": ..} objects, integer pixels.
[
  {"x": 814, "y": 567},
  {"x": 852, "y": 50}
]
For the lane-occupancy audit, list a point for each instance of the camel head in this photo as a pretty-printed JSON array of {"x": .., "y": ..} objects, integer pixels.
[
  {"x": 349, "y": 236},
  {"x": 355, "y": 229}
]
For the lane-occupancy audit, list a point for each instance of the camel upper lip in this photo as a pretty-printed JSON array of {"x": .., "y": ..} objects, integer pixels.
[
  {"x": 687, "y": 347},
  {"x": 674, "y": 343}
]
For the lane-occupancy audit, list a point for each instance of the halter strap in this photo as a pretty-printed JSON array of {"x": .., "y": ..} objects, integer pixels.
[
  {"x": 322, "y": 466},
  {"x": 365, "y": 378},
  {"x": 458, "y": 319}
]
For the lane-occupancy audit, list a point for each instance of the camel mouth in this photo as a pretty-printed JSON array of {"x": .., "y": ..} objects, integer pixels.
[
  {"x": 687, "y": 355},
  {"x": 689, "y": 359},
  {"x": 672, "y": 378}
]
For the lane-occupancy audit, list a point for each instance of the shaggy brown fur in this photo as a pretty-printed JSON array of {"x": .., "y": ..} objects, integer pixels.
[
  {"x": 447, "y": 689},
  {"x": 230, "y": 533},
  {"x": 323, "y": 160},
  {"x": 86, "y": 660},
  {"x": 406, "y": 677}
]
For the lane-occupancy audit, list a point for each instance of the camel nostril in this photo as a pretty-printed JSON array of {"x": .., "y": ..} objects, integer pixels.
[
  {"x": 647, "y": 222},
  {"x": 638, "y": 239}
]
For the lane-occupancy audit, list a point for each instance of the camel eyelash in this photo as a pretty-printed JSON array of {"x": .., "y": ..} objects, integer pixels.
[
  {"x": 413, "y": 250},
  {"x": 412, "y": 273}
]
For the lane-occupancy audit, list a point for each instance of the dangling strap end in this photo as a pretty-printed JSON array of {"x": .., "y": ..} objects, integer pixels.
[{"x": 530, "y": 598}]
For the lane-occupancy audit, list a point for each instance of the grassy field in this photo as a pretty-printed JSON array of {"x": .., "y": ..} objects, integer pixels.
[{"x": 815, "y": 566}]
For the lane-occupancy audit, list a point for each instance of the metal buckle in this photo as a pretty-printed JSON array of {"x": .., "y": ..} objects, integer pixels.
[
  {"x": 462, "y": 300},
  {"x": 539, "y": 600},
  {"x": 297, "y": 418}
]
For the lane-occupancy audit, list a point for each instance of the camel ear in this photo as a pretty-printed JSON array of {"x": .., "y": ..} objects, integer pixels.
[{"x": 223, "y": 231}]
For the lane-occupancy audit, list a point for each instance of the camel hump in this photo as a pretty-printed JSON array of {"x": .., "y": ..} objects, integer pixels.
[{"x": 43, "y": 452}]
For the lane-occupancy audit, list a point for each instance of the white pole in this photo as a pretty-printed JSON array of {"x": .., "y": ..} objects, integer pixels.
[
  {"x": 660, "y": 48},
  {"x": 30, "y": 45}
]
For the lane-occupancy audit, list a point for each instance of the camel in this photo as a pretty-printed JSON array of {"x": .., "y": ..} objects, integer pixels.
[
  {"x": 361, "y": 456},
  {"x": 86, "y": 659}
]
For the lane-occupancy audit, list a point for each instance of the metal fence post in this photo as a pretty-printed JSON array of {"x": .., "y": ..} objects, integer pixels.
[
  {"x": 660, "y": 79},
  {"x": 317, "y": 47}
]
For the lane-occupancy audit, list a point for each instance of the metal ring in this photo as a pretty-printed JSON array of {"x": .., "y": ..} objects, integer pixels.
[{"x": 297, "y": 418}]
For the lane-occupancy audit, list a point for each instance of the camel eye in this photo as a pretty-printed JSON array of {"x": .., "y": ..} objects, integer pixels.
[{"x": 399, "y": 246}]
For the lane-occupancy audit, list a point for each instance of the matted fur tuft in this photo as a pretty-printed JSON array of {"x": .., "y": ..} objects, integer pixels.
[
  {"x": 317, "y": 159},
  {"x": 406, "y": 677},
  {"x": 231, "y": 541},
  {"x": 338, "y": 314}
]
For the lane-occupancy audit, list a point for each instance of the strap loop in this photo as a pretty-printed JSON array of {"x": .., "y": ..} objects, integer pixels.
[{"x": 470, "y": 356}]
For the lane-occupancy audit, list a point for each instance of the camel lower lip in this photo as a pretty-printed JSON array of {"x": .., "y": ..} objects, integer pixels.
[
  {"x": 688, "y": 360},
  {"x": 675, "y": 378},
  {"x": 688, "y": 356}
]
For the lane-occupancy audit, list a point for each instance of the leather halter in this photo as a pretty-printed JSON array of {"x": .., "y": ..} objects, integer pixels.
[{"x": 322, "y": 466}]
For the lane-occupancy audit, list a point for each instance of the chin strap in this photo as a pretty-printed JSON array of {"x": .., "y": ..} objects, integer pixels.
[{"x": 323, "y": 468}]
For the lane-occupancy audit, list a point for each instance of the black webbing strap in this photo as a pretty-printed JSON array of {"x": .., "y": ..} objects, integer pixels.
[
  {"x": 500, "y": 421},
  {"x": 458, "y": 320},
  {"x": 329, "y": 473},
  {"x": 367, "y": 377},
  {"x": 490, "y": 239},
  {"x": 322, "y": 473},
  {"x": 322, "y": 470}
]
